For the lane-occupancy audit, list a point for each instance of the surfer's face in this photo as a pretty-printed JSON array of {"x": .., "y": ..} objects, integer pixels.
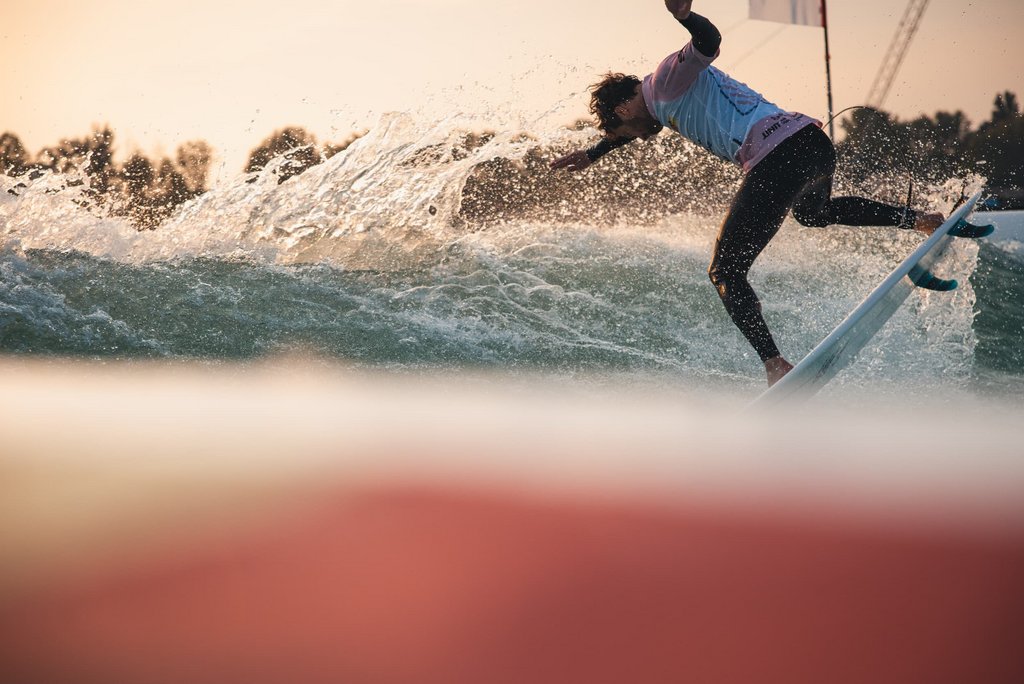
[{"x": 637, "y": 122}]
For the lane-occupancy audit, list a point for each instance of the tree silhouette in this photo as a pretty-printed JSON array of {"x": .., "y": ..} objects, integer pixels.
[
  {"x": 13, "y": 158},
  {"x": 100, "y": 159},
  {"x": 940, "y": 147},
  {"x": 193, "y": 160},
  {"x": 143, "y": 190},
  {"x": 92, "y": 154},
  {"x": 295, "y": 144},
  {"x": 137, "y": 174},
  {"x": 171, "y": 188},
  {"x": 875, "y": 142},
  {"x": 299, "y": 149},
  {"x": 999, "y": 143},
  {"x": 1006, "y": 108}
]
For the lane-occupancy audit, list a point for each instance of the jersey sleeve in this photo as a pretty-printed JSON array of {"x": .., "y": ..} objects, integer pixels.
[
  {"x": 695, "y": 58},
  {"x": 677, "y": 73}
]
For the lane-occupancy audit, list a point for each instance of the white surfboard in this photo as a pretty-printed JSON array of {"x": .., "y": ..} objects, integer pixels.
[{"x": 838, "y": 349}]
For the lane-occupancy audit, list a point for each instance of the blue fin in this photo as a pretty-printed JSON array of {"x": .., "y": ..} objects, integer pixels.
[
  {"x": 969, "y": 230},
  {"x": 925, "y": 279}
]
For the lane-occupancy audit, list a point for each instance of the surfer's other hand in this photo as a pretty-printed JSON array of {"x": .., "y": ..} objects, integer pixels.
[
  {"x": 577, "y": 161},
  {"x": 680, "y": 9}
]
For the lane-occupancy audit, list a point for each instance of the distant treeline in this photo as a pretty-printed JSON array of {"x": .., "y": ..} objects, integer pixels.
[
  {"x": 638, "y": 180},
  {"x": 942, "y": 146},
  {"x": 146, "y": 190}
]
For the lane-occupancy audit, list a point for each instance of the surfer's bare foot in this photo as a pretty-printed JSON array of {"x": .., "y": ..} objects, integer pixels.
[
  {"x": 927, "y": 223},
  {"x": 776, "y": 368}
]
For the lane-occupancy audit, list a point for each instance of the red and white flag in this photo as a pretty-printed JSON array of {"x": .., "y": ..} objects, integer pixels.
[{"x": 805, "y": 12}]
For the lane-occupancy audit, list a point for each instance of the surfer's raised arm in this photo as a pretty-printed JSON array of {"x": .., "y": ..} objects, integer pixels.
[{"x": 706, "y": 37}]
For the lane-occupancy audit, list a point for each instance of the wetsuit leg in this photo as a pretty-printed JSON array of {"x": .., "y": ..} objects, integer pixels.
[
  {"x": 816, "y": 207},
  {"x": 757, "y": 212},
  {"x": 810, "y": 210},
  {"x": 798, "y": 175},
  {"x": 764, "y": 198}
]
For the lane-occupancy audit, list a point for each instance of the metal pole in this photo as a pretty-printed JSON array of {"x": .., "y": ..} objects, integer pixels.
[{"x": 828, "y": 71}]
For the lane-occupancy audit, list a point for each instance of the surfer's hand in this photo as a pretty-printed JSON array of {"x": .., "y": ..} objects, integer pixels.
[
  {"x": 680, "y": 9},
  {"x": 577, "y": 161}
]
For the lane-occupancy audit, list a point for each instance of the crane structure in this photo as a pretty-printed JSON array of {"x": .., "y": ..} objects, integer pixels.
[{"x": 897, "y": 52}]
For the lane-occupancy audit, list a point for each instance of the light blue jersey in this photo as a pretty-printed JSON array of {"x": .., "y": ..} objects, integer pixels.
[{"x": 705, "y": 105}]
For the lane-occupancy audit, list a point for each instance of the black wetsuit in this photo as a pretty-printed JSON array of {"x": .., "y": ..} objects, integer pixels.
[{"x": 796, "y": 175}]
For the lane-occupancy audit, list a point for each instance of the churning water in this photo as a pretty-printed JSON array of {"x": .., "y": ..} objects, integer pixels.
[{"x": 371, "y": 258}]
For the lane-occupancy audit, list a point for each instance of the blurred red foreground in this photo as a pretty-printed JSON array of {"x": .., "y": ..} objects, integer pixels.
[{"x": 444, "y": 585}]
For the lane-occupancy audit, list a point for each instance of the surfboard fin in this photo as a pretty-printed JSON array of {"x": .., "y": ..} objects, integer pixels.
[
  {"x": 969, "y": 230},
  {"x": 924, "y": 278}
]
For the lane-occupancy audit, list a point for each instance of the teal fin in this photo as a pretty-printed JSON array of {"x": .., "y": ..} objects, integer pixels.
[
  {"x": 925, "y": 279},
  {"x": 969, "y": 230}
]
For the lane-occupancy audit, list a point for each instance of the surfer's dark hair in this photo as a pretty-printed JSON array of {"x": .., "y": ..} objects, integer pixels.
[{"x": 607, "y": 94}]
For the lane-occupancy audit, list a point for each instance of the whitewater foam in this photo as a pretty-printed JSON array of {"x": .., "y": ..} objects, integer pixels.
[{"x": 371, "y": 257}]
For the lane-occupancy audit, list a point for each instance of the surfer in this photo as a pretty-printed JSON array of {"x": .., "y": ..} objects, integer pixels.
[{"x": 788, "y": 163}]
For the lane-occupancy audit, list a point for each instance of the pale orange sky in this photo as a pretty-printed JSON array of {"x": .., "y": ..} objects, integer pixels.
[{"x": 231, "y": 72}]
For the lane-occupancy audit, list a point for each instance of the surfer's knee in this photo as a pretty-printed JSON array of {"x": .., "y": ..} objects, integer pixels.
[
  {"x": 810, "y": 218},
  {"x": 715, "y": 273},
  {"x": 724, "y": 278}
]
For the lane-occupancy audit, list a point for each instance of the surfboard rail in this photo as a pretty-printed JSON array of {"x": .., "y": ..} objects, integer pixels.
[{"x": 839, "y": 348}]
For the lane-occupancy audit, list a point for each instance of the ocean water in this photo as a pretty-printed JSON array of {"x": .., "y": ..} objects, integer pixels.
[{"x": 372, "y": 259}]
